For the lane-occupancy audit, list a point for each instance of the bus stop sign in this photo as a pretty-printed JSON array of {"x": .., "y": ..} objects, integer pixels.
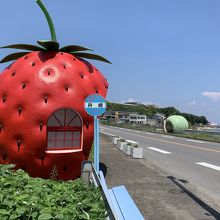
[{"x": 95, "y": 105}]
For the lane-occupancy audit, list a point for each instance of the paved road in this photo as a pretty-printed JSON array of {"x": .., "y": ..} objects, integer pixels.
[{"x": 197, "y": 162}]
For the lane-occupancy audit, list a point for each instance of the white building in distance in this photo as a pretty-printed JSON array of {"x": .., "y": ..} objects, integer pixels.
[{"x": 139, "y": 119}]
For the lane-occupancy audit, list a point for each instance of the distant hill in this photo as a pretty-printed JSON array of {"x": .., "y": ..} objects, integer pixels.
[{"x": 151, "y": 110}]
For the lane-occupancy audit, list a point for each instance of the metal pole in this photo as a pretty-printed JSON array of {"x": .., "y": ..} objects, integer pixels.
[
  {"x": 97, "y": 151},
  {"x": 95, "y": 143}
]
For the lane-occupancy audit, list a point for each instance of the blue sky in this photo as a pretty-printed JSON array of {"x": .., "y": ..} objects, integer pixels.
[{"x": 164, "y": 52}]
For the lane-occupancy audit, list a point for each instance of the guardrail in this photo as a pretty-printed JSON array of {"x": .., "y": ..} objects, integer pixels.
[{"x": 120, "y": 205}]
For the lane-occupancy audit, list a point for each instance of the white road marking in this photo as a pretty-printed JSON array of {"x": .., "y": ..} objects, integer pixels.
[
  {"x": 159, "y": 150},
  {"x": 101, "y": 129},
  {"x": 150, "y": 133},
  {"x": 167, "y": 136},
  {"x": 214, "y": 167},
  {"x": 195, "y": 141},
  {"x": 143, "y": 135},
  {"x": 137, "y": 131}
]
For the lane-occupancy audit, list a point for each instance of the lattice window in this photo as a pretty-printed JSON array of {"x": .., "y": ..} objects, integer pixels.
[{"x": 64, "y": 130}]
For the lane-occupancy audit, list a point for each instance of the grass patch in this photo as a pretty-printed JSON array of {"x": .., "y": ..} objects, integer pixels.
[
  {"x": 26, "y": 198},
  {"x": 201, "y": 136}
]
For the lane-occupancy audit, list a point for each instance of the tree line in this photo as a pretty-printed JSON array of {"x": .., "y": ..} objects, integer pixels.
[{"x": 150, "y": 111}]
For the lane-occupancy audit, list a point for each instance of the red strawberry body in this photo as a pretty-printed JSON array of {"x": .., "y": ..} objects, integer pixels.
[{"x": 31, "y": 90}]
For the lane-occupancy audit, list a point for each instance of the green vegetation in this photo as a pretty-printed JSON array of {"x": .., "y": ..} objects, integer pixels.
[
  {"x": 26, "y": 198},
  {"x": 194, "y": 119},
  {"x": 141, "y": 109},
  {"x": 135, "y": 126},
  {"x": 150, "y": 111},
  {"x": 206, "y": 136}
]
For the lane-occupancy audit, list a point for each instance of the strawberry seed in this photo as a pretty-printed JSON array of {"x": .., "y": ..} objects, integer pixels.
[
  {"x": 87, "y": 125},
  {"x": 4, "y": 156},
  {"x": 41, "y": 126},
  {"x": 66, "y": 88},
  {"x": 18, "y": 142},
  {"x": 1, "y": 127},
  {"x": 19, "y": 110},
  {"x": 45, "y": 99},
  {"x": 4, "y": 99},
  {"x": 24, "y": 85}
]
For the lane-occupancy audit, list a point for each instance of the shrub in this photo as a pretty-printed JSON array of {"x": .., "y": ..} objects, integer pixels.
[
  {"x": 122, "y": 140},
  {"x": 24, "y": 197},
  {"x": 135, "y": 145}
]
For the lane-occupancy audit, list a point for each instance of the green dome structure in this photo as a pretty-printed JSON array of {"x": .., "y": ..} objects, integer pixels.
[{"x": 175, "y": 124}]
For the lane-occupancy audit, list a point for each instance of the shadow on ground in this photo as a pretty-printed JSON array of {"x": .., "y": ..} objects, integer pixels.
[
  {"x": 211, "y": 211},
  {"x": 103, "y": 168}
]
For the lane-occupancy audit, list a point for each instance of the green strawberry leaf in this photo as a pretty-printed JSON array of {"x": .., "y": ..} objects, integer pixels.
[
  {"x": 91, "y": 56},
  {"x": 13, "y": 56},
  {"x": 73, "y": 48},
  {"x": 24, "y": 47},
  {"x": 4, "y": 212},
  {"x": 34, "y": 215},
  {"x": 13, "y": 217},
  {"x": 45, "y": 216},
  {"x": 49, "y": 45}
]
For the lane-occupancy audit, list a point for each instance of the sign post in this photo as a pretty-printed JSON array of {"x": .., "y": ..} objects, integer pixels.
[
  {"x": 95, "y": 105},
  {"x": 96, "y": 142}
]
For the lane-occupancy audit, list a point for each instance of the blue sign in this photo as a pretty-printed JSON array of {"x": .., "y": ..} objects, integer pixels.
[{"x": 95, "y": 105}]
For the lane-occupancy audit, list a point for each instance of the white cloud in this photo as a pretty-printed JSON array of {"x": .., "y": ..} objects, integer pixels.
[{"x": 214, "y": 96}]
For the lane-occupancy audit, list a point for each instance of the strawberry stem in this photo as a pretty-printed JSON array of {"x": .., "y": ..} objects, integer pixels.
[{"x": 49, "y": 20}]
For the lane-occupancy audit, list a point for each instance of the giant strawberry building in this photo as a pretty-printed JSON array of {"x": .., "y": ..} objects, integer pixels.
[{"x": 43, "y": 123}]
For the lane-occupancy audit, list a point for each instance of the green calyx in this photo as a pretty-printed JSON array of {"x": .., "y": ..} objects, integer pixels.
[{"x": 50, "y": 45}]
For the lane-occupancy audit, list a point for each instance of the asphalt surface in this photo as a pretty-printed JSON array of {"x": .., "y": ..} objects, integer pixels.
[
  {"x": 157, "y": 194},
  {"x": 195, "y": 163}
]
